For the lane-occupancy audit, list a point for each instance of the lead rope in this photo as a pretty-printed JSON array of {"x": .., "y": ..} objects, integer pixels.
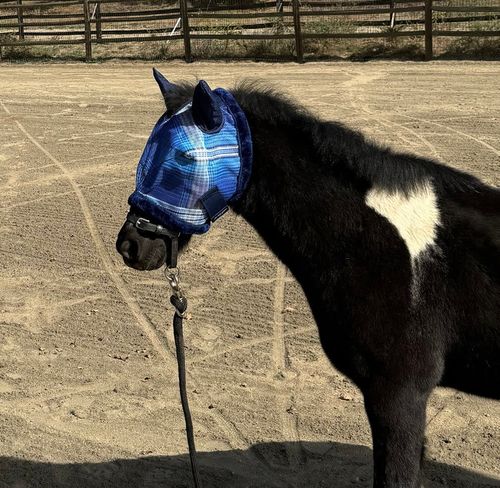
[{"x": 178, "y": 300}]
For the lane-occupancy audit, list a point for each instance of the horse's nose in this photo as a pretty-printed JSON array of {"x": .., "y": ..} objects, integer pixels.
[{"x": 128, "y": 249}]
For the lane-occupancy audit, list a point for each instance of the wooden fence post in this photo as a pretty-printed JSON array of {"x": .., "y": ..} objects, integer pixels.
[
  {"x": 20, "y": 19},
  {"x": 299, "y": 47},
  {"x": 185, "y": 30},
  {"x": 98, "y": 22},
  {"x": 88, "y": 32},
  {"x": 428, "y": 30}
]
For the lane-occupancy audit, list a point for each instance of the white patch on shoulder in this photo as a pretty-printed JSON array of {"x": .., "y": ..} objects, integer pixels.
[{"x": 414, "y": 214}]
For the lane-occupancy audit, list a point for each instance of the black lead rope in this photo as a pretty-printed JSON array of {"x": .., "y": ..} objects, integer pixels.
[{"x": 179, "y": 301}]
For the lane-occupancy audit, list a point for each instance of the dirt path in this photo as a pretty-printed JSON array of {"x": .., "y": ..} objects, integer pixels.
[{"x": 87, "y": 375}]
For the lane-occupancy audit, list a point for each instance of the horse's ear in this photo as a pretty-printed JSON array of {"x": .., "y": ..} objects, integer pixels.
[
  {"x": 166, "y": 87},
  {"x": 206, "y": 109}
]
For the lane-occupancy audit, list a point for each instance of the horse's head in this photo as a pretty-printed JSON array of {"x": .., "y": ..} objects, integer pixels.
[{"x": 196, "y": 162}]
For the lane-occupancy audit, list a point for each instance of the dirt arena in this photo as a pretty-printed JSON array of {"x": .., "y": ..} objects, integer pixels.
[{"x": 88, "y": 382}]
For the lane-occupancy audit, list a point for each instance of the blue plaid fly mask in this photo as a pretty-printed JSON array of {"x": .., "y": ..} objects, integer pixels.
[{"x": 195, "y": 162}]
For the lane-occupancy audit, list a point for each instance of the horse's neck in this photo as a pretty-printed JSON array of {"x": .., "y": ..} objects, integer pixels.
[
  {"x": 306, "y": 213},
  {"x": 332, "y": 201}
]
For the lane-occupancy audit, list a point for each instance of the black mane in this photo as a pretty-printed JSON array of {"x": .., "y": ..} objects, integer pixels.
[{"x": 335, "y": 144}]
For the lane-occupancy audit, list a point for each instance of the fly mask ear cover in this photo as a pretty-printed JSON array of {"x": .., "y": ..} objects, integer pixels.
[{"x": 195, "y": 162}]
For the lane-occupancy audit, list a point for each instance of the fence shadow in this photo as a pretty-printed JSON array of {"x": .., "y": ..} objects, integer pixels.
[{"x": 262, "y": 466}]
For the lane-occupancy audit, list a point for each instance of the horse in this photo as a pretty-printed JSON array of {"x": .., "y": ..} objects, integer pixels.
[{"x": 398, "y": 257}]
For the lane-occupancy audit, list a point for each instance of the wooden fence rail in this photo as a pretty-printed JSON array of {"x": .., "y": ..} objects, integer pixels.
[{"x": 89, "y": 22}]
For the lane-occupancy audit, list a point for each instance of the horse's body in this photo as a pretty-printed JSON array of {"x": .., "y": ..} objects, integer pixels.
[{"x": 398, "y": 256}]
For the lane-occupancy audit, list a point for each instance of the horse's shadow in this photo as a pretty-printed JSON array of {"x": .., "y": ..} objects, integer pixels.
[{"x": 264, "y": 465}]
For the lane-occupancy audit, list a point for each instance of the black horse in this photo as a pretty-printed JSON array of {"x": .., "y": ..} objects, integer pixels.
[{"x": 399, "y": 258}]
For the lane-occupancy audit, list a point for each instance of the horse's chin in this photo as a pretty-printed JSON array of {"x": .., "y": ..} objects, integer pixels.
[
  {"x": 154, "y": 260},
  {"x": 144, "y": 265}
]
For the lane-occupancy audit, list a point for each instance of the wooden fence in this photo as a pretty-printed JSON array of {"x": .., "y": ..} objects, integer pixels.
[{"x": 91, "y": 22}]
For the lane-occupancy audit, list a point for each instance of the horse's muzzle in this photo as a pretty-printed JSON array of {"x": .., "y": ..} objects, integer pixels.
[{"x": 140, "y": 250}]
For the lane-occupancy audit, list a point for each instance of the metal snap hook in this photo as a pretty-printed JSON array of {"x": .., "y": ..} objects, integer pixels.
[
  {"x": 178, "y": 299},
  {"x": 172, "y": 276}
]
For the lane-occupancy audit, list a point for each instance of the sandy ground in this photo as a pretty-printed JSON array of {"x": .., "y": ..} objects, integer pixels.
[{"x": 88, "y": 386}]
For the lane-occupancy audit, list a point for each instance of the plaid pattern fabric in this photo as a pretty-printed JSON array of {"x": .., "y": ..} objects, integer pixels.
[{"x": 181, "y": 163}]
